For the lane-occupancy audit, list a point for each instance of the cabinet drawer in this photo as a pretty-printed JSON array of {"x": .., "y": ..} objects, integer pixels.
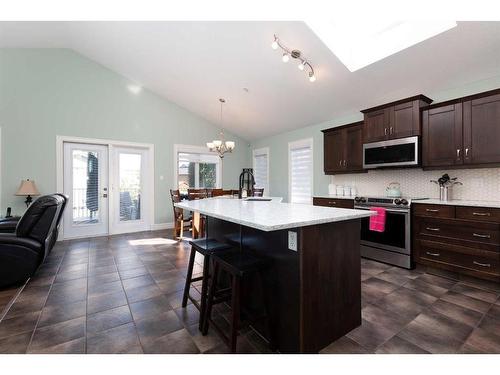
[
  {"x": 458, "y": 257},
  {"x": 434, "y": 210},
  {"x": 332, "y": 202},
  {"x": 488, "y": 233},
  {"x": 479, "y": 214}
]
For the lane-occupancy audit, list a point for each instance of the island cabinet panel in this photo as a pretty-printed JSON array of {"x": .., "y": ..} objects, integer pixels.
[
  {"x": 343, "y": 149},
  {"x": 465, "y": 240},
  {"x": 394, "y": 120},
  {"x": 330, "y": 283},
  {"x": 333, "y": 202}
]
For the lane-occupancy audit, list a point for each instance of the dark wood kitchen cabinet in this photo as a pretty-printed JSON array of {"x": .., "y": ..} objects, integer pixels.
[
  {"x": 394, "y": 120},
  {"x": 462, "y": 133},
  {"x": 464, "y": 240},
  {"x": 333, "y": 202},
  {"x": 343, "y": 149}
]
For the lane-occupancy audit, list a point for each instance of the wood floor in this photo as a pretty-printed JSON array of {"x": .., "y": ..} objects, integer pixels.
[{"x": 122, "y": 294}]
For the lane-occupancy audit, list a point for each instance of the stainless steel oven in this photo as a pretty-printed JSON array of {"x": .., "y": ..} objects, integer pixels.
[
  {"x": 394, "y": 153},
  {"x": 393, "y": 245}
]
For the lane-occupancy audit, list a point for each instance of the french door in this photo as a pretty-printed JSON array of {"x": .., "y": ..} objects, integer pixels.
[
  {"x": 86, "y": 184},
  {"x": 109, "y": 189},
  {"x": 131, "y": 179}
]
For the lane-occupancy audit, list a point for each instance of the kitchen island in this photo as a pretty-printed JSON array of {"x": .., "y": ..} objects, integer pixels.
[{"x": 314, "y": 284}]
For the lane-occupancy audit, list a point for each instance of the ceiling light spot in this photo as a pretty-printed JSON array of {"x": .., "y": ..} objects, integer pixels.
[{"x": 134, "y": 89}]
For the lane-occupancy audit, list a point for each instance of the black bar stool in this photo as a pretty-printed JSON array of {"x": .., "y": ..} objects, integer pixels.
[
  {"x": 206, "y": 247},
  {"x": 239, "y": 265}
]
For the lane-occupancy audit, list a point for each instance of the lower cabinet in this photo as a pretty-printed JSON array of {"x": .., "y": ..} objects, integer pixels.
[
  {"x": 333, "y": 202},
  {"x": 460, "y": 239}
]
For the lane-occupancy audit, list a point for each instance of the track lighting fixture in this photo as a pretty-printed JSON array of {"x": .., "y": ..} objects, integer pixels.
[{"x": 296, "y": 54}]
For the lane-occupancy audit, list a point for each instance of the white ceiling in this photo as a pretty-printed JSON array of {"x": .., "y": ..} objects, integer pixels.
[{"x": 194, "y": 63}]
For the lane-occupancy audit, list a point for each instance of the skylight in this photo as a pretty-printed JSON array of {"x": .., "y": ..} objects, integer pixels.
[{"x": 358, "y": 44}]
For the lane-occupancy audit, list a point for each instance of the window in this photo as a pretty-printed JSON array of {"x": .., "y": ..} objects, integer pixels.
[
  {"x": 300, "y": 174},
  {"x": 261, "y": 169},
  {"x": 196, "y": 169}
]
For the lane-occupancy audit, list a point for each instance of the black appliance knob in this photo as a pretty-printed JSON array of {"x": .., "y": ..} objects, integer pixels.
[
  {"x": 357, "y": 199},
  {"x": 363, "y": 200},
  {"x": 397, "y": 201},
  {"x": 404, "y": 202}
]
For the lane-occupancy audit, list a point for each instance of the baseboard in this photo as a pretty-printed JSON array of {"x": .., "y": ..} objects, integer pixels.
[{"x": 162, "y": 226}]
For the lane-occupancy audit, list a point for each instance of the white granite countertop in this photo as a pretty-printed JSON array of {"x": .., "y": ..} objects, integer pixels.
[
  {"x": 333, "y": 196},
  {"x": 269, "y": 216},
  {"x": 459, "y": 202}
]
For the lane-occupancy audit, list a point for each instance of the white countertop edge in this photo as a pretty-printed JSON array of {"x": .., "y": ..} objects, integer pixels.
[
  {"x": 347, "y": 214},
  {"x": 459, "y": 202},
  {"x": 329, "y": 196}
]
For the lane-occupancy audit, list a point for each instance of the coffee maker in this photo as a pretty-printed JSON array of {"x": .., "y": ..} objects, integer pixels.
[{"x": 247, "y": 183}]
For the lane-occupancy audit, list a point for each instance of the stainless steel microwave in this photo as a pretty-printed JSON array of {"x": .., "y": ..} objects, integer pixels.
[{"x": 394, "y": 153}]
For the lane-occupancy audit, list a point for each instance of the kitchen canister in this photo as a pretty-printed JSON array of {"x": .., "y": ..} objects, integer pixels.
[
  {"x": 340, "y": 190},
  {"x": 347, "y": 191}
]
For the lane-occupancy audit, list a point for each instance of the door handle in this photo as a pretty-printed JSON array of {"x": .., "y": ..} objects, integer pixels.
[
  {"x": 433, "y": 229},
  {"x": 385, "y": 131},
  {"x": 345, "y": 163},
  {"x": 105, "y": 195},
  {"x": 340, "y": 163},
  {"x": 333, "y": 203},
  {"x": 481, "y": 213},
  {"x": 466, "y": 152},
  {"x": 391, "y": 130},
  {"x": 431, "y": 210},
  {"x": 482, "y": 264},
  {"x": 433, "y": 254},
  {"x": 481, "y": 235},
  {"x": 458, "y": 153}
]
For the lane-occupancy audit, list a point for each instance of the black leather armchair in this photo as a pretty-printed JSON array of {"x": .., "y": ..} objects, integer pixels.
[{"x": 23, "y": 251}]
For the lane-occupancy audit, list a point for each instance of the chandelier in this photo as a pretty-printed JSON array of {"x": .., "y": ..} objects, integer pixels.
[
  {"x": 221, "y": 146},
  {"x": 303, "y": 65}
]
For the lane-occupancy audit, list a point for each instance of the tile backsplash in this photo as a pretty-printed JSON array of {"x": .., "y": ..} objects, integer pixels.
[{"x": 478, "y": 184}]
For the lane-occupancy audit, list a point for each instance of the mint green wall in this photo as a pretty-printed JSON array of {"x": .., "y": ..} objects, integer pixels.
[
  {"x": 49, "y": 92},
  {"x": 278, "y": 144}
]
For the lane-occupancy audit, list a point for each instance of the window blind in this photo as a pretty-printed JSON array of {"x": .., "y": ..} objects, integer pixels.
[
  {"x": 260, "y": 171},
  {"x": 301, "y": 173}
]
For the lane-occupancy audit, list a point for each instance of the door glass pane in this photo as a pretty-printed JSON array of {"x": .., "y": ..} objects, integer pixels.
[
  {"x": 130, "y": 186},
  {"x": 85, "y": 187},
  {"x": 208, "y": 175},
  {"x": 186, "y": 176}
]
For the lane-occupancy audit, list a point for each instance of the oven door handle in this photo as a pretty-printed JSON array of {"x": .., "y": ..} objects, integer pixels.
[{"x": 387, "y": 209}]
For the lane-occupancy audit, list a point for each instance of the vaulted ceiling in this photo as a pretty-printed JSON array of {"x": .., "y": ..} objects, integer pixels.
[{"x": 194, "y": 63}]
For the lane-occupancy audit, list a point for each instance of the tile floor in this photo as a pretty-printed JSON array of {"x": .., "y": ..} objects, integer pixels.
[{"x": 122, "y": 294}]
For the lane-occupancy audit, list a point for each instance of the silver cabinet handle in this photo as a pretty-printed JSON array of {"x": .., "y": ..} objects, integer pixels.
[
  {"x": 466, "y": 152},
  {"x": 481, "y": 235},
  {"x": 391, "y": 130},
  {"x": 482, "y": 264},
  {"x": 345, "y": 163},
  {"x": 431, "y": 210},
  {"x": 385, "y": 131},
  {"x": 332, "y": 203},
  {"x": 458, "y": 153},
  {"x": 433, "y": 254},
  {"x": 433, "y": 229},
  {"x": 481, "y": 213},
  {"x": 340, "y": 163}
]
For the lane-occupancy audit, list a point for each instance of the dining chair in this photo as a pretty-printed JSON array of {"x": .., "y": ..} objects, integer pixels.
[
  {"x": 194, "y": 194},
  {"x": 181, "y": 222}
]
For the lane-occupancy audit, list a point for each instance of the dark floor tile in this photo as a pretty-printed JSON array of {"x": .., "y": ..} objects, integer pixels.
[
  {"x": 476, "y": 293},
  {"x": 370, "y": 335},
  {"x": 380, "y": 285},
  {"x": 397, "y": 345},
  {"x": 76, "y": 346},
  {"x": 19, "y": 308},
  {"x": 393, "y": 278},
  {"x": 456, "y": 312},
  {"x": 410, "y": 274},
  {"x": 61, "y": 312},
  {"x": 106, "y": 288},
  {"x": 105, "y": 302},
  {"x": 178, "y": 342},
  {"x": 406, "y": 302},
  {"x": 490, "y": 323},
  {"x": 425, "y": 287},
  {"x": 188, "y": 315},
  {"x": 137, "y": 282},
  {"x": 102, "y": 269},
  {"x": 150, "y": 307},
  {"x": 384, "y": 317},
  {"x": 154, "y": 327},
  {"x": 107, "y": 319},
  {"x": 437, "y": 281},
  {"x": 133, "y": 272},
  {"x": 344, "y": 345},
  {"x": 465, "y": 301},
  {"x": 15, "y": 344},
  {"x": 484, "y": 341},
  {"x": 74, "y": 268},
  {"x": 66, "y": 296},
  {"x": 172, "y": 285},
  {"x": 42, "y": 280},
  {"x": 143, "y": 292},
  {"x": 57, "y": 334},
  {"x": 175, "y": 299},
  {"x": 119, "y": 340},
  {"x": 19, "y": 324},
  {"x": 103, "y": 278}
]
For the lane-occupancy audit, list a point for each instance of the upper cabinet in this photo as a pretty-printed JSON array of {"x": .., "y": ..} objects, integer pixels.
[
  {"x": 343, "y": 149},
  {"x": 464, "y": 132},
  {"x": 394, "y": 120}
]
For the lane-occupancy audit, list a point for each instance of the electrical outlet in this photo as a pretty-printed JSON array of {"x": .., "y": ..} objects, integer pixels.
[{"x": 292, "y": 240}]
